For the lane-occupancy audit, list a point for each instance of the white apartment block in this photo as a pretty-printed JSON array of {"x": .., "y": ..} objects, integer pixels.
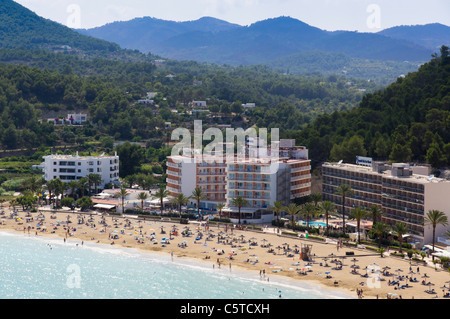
[
  {"x": 404, "y": 193},
  {"x": 69, "y": 167}
]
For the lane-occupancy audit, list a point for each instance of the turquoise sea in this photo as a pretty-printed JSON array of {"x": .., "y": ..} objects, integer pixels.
[{"x": 45, "y": 268}]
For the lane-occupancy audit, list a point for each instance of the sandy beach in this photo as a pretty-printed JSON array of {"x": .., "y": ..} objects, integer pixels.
[{"x": 362, "y": 275}]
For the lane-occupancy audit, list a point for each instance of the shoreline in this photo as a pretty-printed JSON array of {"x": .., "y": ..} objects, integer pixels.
[
  {"x": 250, "y": 259},
  {"x": 195, "y": 263}
]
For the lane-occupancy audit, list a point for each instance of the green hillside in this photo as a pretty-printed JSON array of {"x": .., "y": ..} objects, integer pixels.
[{"x": 407, "y": 121}]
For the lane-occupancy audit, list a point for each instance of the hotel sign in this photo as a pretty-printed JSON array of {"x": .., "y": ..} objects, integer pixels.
[{"x": 361, "y": 160}]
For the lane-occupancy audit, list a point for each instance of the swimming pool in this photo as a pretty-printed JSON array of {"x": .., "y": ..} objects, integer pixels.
[{"x": 315, "y": 224}]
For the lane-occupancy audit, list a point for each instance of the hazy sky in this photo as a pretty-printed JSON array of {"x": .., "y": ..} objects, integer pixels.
[{"x": 360, "y": 15}]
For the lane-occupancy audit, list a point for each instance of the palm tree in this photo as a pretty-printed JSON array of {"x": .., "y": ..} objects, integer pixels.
[
  {"x": 239, "y": 202},
  {"x": 399, "y": 230},
  {"x": 277, "y": 208},
  {"x": 161, "y": 193},
  {"x": 379, "y": 229},
  {"x": 435, "y": 217},
  {"x": 292, "y": 210},
  {"x": 376, "y": 212},
  {"x": 220, "y": 207},
  {"x": 344, "y": 190},
  {"x": 309, "y": 211},
  {"x": 316, "y": 198},
  {"x": 95, "y": 179},
  {"x": 51, "y": 185},
  {"x": 59, "y": 189},
  {"x": 82, "y": 185},
  {"x": 73, "y": 185},
  {"x": 359, "y": 213},
  {"x": 181, "y": 200},
  {"x": 326, "y": 207},
  {"x": 122, "y": 194},
  {"x": 142, "y": 196},
  {"x": 198, "y": 195}
]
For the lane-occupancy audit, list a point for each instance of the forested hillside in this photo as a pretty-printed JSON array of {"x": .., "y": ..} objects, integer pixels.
[
  {"x": 407, "y": 121},
  {"x": 37, "y": 82}
]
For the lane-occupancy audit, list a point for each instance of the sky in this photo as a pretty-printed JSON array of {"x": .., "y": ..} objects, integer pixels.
[{"x": 331, "y": 15}]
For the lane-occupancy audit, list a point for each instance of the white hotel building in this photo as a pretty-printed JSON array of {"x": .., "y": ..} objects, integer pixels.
[
  {"x": 69, "y": 167},
  {"x": 250, "y": 178}
]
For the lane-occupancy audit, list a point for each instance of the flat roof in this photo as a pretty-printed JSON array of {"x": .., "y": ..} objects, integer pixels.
[
  {"x": 77, "y": 157},
  {"x": 367, "y": 169}
]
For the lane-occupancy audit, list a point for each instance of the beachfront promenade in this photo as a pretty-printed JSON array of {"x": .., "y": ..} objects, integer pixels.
[{"x": 265, "y": 252}]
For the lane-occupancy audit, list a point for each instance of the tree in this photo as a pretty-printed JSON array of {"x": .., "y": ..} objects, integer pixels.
[
  {"x": 359, "y": 213},
  {"x": 160, "y": 194},
  {"x": 239, "y": 202},
  {"x": 84, "y": 203},
  {"x": 142, "y": 196},
  {"x": 220, "y": 207},
  {"x": 82, "y": 185},
  {"x": 122, "y": 194},
  {"x": 326, "y": 207},
  {"x": 379, "y": 229},
  {"x": 292, "y": 209},
  {"x": 444, "y": 52},
  {"x": 73, "y": 185},
  {"x": 400, "y": 153},
  {"x": 277, "y": 208},
  {"x": 309, "y": 211},
  {"x": 67, "y": 202},
  {"x": 131, "y": 157},
  {"x": 435, "y": 217},
  {"x": 376, "y": 212},
  {"x": 95, "y": 179},
  {"x": 344, "y": 190},
  {"x": 198, "y": 195},
  {"x": 399, "y": 230},
  {"x": 181, "y": 200},
  {"x": 316, "y": 198},
  {"x": 51, "y": 185},
  {"x": 10, "y": 138}
]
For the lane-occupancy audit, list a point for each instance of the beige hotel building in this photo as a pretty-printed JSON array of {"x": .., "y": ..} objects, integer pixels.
[
  {"x": 405, "y": 193},
  {"x": 252, "y": 178}
]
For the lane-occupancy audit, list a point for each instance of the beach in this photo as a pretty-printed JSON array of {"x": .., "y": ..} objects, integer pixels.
[{"x": 360, "y": 273}]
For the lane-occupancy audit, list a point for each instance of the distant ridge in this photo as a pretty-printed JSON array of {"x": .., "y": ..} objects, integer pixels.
[
  {"x": 431, "y": 36},
  {"x": 213, "y": 40},
  {"x": 22, "y": 28}
]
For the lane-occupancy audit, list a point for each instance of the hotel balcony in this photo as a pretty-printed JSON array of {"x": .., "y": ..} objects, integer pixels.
[
  {"x": 173, "y": 181},
  {"x": 301, "y": 169},
  {"x": 300, "y": 177},
  {"x": 174, "y": 165}
]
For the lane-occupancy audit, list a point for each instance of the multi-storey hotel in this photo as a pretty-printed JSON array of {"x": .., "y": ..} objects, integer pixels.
[
  {"x": 404, "y": 193},
  {"x": 253, "y": 178},
  {"x": 69, "y": 167},
  {"x": 261, "y": 185},
  {"x": 184, "y": 174}
]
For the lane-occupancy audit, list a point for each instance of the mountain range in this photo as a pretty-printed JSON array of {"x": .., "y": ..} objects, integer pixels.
[
  {"x": 284, "y": 44},
  {"x": 217, "y": 41}
]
